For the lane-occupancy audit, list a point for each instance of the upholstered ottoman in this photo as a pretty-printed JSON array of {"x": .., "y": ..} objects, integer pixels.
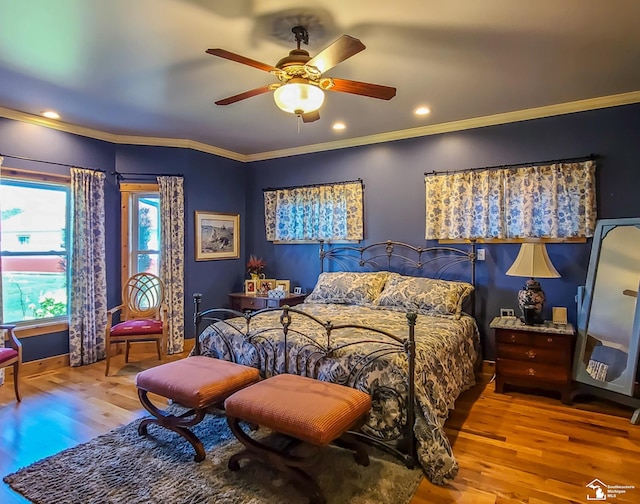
[
  {"x": 195, "y": 382},
  {"x": 305, "y": 409}
]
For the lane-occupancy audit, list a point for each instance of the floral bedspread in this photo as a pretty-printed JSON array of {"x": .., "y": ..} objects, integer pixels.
[{"x": 446, "y": 353}]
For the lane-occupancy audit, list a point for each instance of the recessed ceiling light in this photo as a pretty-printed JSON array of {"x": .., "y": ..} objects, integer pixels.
[
  {"x": 422, "y": 111},
  {"x": 50, "y": 114},
  {"x": 339, "y": 126}
]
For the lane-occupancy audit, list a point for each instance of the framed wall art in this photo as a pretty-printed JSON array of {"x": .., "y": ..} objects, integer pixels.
[{"x": 217, "y": 236}]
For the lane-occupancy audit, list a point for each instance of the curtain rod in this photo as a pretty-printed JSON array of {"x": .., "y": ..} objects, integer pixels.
[
  {"x": 50, "y": 162},
  {"x": 591, "y": 157},
  {"x": 313, "y": 185},
  {"x": 123, "y": 175}
]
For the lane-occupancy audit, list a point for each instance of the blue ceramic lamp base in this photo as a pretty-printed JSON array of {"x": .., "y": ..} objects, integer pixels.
[{"x": 531, "y": 300}]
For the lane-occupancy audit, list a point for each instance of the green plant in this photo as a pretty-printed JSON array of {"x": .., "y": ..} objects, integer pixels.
[{"x": 49, "y": 307}]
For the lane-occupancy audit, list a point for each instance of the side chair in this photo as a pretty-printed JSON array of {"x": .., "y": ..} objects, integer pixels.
[
  {"x": 12, "y": 356},
  {"x": 143, "y": 316}
]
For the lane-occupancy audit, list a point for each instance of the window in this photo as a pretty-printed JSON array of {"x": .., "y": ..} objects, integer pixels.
[
  {"x": 34, "y": 246},
  {"x": 140, "y": 229},
  {"x": 317, "y": 212}
]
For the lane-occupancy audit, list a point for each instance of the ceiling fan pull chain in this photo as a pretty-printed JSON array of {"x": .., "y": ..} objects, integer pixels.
[{"x": 298, "y": 121}]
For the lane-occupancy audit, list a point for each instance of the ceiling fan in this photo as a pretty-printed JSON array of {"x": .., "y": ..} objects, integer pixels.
[{"x": 301, "y": 87}]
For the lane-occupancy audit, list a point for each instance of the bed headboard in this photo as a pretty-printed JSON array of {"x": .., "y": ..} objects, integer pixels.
[{"x": 444, "y": 262}]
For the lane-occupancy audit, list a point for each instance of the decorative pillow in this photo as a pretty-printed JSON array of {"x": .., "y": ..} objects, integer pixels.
[
  {"x": 348, "y": 288},
  {"x": 424, "y": 295}
]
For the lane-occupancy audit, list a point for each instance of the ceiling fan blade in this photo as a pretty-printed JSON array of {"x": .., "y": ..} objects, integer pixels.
[
  {"x": 244, "y": 96},
  {"x": 363, "y": 88},
  {"x": 337, "y": 52},
  {"x": 310, "y": 116},
  {"x": 241, "y": 59}
]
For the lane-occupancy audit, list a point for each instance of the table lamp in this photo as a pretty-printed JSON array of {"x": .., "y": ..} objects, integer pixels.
[{"x": 532, "y": 261}]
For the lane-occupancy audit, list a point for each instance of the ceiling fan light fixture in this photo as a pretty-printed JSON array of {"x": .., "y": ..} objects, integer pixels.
[{"x": 298, "y": 97}]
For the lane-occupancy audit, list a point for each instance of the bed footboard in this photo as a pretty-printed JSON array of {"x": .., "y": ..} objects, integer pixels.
[{"x": 289, "y": 340}]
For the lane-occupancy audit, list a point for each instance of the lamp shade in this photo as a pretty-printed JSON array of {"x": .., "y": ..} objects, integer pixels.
[
  {"x": 533, "y": 262},
  {"x": 298, "y": 97}
]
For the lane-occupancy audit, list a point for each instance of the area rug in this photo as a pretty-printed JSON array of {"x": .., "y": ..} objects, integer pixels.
[{"x": 121, "y": 467}]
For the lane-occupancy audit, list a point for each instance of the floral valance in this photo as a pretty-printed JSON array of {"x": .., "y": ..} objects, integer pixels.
[
  {"x": 318, "y": 212},
  {"x": 555, "y": 200}
]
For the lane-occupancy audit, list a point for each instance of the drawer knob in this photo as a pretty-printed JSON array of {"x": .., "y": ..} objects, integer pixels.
[
  {"x": 513, "y": 337},
  {"x": 531, "y": 354},
  {"x": 531, "y": 372},
  {"x": 549, "y": 340}
]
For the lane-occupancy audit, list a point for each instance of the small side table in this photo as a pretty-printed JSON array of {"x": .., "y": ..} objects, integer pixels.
[
  {"x": 538, "y": 356},
  {"x": 241, "y": 302}
]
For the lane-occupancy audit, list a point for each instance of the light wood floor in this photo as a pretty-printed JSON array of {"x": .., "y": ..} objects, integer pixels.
[{"x": 511, "y": 447}]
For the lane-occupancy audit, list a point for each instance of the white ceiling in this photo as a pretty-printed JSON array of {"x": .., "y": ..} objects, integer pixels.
[{"x": 139, "y": 67}]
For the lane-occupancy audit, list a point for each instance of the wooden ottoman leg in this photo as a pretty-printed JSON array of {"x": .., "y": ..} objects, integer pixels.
[
  {"x": 284, "y": 462},
  {"x": 178, "y": 424}
]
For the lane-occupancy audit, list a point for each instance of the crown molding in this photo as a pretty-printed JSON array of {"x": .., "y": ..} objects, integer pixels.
[
  {"x": 435, "y": 129},
  {"x": 464, "y": 124}
]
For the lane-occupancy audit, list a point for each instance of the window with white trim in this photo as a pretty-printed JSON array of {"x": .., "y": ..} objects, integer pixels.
[
  {"x": 34, "y": 245},
  {"x": 140, "y": 229}
]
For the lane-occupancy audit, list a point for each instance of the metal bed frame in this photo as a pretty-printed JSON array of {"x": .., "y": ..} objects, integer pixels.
[{"x": 260, "y": 347}]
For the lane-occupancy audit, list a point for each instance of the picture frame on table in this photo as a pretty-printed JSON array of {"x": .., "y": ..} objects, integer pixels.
[
  {"x": 286, "y": 285},
  {"x": 217, "y": 236},
  {"x": 297, "y": 290},
  {"x": 251, "y": 287},
  {"x": 266, "y": 284}
]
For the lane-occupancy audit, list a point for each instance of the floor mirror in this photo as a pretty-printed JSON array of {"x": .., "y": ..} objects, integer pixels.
[{"x": 608, "y": 340}]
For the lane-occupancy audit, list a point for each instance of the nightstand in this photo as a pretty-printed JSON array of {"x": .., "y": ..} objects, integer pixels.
[
  {"x": 242, "y": 302},
  {"x": 537, "y": 356}
]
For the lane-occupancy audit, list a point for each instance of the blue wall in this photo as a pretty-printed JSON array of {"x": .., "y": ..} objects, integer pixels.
[
  {"x": 393, "y": 175},
  {"x": 211, "y": 183}
]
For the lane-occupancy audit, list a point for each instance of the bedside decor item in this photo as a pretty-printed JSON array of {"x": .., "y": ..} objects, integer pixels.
[
  {"x": 265, "y": 285},
  {"x": 277, "y": 293},
  {"x": 251, "y": 287},
  {"x": 532, "y": 261},
  {"x": 285, "y": 284},
  {"x": 559, "y": 315},
  {"x": 255, "y": 267},
  {"x": 217, "y": 236},
  {"x": 297, "y": 290}
]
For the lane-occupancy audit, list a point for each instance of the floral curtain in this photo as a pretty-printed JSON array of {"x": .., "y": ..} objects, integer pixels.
[
  {"x": 551, "y": 201},
  {"x": 327, "y": 212},
  {"x": 88, "y": 290},
  {"x": 172, "y": 254}
]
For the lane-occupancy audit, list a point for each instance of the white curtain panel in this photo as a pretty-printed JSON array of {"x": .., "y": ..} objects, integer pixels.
[
  {"x": 172, "y": 257},
  {"x": 88, "y": 290}
]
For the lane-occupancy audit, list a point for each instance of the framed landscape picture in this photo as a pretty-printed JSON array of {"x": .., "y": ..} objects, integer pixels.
[{"x": 217, "y": 236}]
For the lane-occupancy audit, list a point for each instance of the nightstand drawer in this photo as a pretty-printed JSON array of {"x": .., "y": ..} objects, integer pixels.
[
  {"x": 533, "y": 354},
  {"x": 515, "y": 337},
  {"x": 251, "y": 303},
  {"x": 533, "y": 371},
  {"x": 552, "y": 341}
]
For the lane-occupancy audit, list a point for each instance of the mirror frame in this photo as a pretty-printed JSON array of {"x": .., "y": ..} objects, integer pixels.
[{"x": 626, "y": 384}]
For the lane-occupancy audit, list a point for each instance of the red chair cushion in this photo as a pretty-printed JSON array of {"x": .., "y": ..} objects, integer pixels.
[
  {"x": 137, "y": 326},
  {"x": 6, "y": 354}
]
